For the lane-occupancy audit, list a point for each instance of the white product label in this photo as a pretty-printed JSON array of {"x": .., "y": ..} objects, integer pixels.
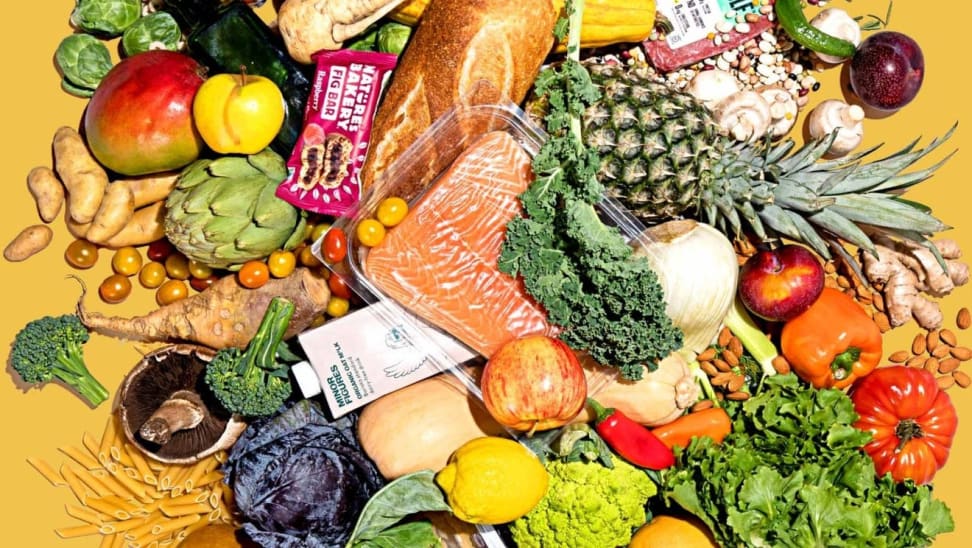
[
  {"x": 361, "y": 356},
  {"x": 692, "y": 20}
]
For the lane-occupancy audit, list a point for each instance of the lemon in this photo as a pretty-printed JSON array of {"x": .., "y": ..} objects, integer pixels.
[
  {"x": 492, "y": 480},
  {"x": 673, "y": 532}
]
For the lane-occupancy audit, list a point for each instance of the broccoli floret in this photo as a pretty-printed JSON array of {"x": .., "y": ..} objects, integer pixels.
[
  {"x": 52, "y": 348},
  {"x": 252, "y": 382},
  {"x": 587, "y": 504}
]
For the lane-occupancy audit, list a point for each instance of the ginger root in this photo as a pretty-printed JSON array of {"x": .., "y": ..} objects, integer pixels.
[{"x": 909, "y": 275}]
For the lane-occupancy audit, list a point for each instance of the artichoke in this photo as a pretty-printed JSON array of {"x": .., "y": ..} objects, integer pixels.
[{"x": 224, "y": 211}]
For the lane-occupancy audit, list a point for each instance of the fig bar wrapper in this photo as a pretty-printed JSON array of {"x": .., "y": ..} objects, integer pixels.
[{"x": 323, "y": 168}]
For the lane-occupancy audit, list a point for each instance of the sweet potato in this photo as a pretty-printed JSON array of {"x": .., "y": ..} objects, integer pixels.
[
  {"x": 48, "y": 192},
  {"x": 31, "y": 240},
  {"x": 84, "y": 179},
  {"x": 224, "y": 315},
  {"x": 114, "y": 213},
  {"x": 145, "y": 226}
]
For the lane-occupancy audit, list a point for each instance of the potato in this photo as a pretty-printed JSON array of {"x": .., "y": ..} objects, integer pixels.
[
  {"x": 48, "y": 192},
  {"x": 145, "y": 226},
  {"x": 31, "y": 240},
  {"x": 84, "y": 179},
  {"x": 115, "y": 212}
]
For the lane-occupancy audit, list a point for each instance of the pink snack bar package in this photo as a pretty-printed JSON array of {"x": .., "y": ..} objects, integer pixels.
[{"x": 323, "y": 168}]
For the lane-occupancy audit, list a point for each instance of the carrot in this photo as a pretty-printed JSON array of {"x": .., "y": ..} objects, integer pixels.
[
  {"x": 713, "y": 422},
  {"x": 224, "y": 315}
]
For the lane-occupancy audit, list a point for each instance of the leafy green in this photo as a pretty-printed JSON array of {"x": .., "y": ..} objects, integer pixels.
[
  {"x": 792, "y": 474},
  {"x": 609, "y": 303},
  {"x": 409, "y": 494},
  {"x": 83, "y": 61}
]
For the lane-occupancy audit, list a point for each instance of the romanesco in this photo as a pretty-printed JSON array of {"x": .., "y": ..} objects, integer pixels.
[{"x": 587, "y": 504}]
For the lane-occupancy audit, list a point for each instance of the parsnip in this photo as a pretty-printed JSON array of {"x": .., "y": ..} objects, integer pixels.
[
  {"x": 114, "y": 214},
  {"x": 48, "y": 192},
  {"x": 30, "y": 241},
  {"x": 84, "y": 179},
  {"x": 225, "y": 315}
]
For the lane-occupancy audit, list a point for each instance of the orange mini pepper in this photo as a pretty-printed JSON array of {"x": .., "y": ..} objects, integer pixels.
[{"x": 832, "y": 343}]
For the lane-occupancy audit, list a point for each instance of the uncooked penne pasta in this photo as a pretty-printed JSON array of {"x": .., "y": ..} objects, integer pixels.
[
  {"x": 93, "y": 482},
  {"x": 141, "y": 464},
  {"x": 85, "y": 514},
  {"x": 118, "y": 541},
  {"x": 74, "y": 484},
  {"x": 188, "y": 498},
  {"x": 107, "y": 541},
  {"x": 175, "y": 511},
  {"x": 172, "y": 525},
  {"x": 108, "y": 439},
  {"x": 77, "y": 531},
  {"x": 81, "y": 456},
  {"x": 197, "y": 471},
  {"x": 118, "y": 488},
  {"x": 134, "y": 487},
  {"x": 46, "y": 470},
  {"x": 91, "y": 444},
  {"x": 215, "y": 476},
  {"x": 109, "y": 505},
  {"x": 191, "y": 529}
]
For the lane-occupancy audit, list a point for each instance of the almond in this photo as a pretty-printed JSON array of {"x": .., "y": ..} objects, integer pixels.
[
  {"x": 730, "y": 357},
  {"x": 722, "y": 379},
  {"x": 702, "y": 405},
  {"x": 915, "y": 361},
  {"x": 918, "y": 345},
  {"x": 962, "y": 378},
  {"x": 962, "y": 353},
  {"x": 882, "y": 321},
  {"x": 781, "y": 365},
  {"x": 707, "y": 355},
  {"x": 735, "y": 346},
  {"x": 721, "y": 365},
  {"x": 737, "y": 396},
  {"x": 948, "y": 365},
  {"x": 948, "y": 336},
  {"x": 709, "y": 368},
  {"x": 931, "y": 365},
  {"x": 736, "y": 383},
  {"x": 941, "y": 351},
  {"x": 724, "y": 337},
  {"x": 945, "y": 381},
  {"x": 931, "y": 340},
  {"x": 900, "y": 356},
  {"x": 964, "y": 318}
]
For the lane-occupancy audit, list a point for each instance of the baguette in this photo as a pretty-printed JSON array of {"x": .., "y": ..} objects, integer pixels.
[{"x": 457, "y": 44}]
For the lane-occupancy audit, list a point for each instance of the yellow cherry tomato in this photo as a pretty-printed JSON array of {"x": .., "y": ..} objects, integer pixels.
[
  {"x": 81, "y": 254},
  {"x": 115, "y": 289},
  {"x": 152, "y": 274},
  {"x": 177, "y": 266},
  {"x": 253, "y": 274},
  {"x": 319, "y": 231},
  {"x": 307, "y": 257},
  {"x": 337, "y": 307},
  {"x": 281, "y": 263},
  {"x": 391, "y": 211},
  {"x": 171, "y": 291},
  {"x": 370, "y": 232},
  {"x": 126, "y": 261},
  {"x": 199, "y": 270}
]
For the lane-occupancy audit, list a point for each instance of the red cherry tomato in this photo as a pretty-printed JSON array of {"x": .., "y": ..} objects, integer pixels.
[
  {"x": 200, "y": 284},
  {"x": 335, "y": 246},
  {"x": 339, "y": 288},
  {"x": 159, "y": 250},
  {"x": 253, "y": 274}
]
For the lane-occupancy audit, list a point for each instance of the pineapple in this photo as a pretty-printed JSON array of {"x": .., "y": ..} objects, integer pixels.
[{"x": 662, "y": 156}]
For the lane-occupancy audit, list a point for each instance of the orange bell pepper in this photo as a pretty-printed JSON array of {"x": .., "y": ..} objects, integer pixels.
[{"x": 832, "y": 343}]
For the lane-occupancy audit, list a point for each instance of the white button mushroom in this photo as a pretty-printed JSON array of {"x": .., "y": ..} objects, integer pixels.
[
  {"x": 783, "y": 109},
  {"x": 835, "y": 115},
  {"x": 712, "y": 86},
  {"x": 838, "y": 23},
  {"x": 745, "y": 115}
]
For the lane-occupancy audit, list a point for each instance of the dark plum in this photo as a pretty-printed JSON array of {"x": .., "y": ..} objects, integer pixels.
[{"x": 886, "y": 70}]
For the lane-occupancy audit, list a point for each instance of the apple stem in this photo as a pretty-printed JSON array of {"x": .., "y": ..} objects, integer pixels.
[
  {"x": 757, "y": 343},
  {"x": 242, "y": 75}
]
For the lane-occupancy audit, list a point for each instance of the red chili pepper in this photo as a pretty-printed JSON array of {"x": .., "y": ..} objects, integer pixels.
[{"x": 635, "y": 443}]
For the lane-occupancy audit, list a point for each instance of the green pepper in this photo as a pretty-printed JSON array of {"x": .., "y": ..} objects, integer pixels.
[{"x": 790, "y": 15}]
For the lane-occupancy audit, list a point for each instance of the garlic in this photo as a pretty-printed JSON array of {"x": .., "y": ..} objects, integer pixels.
[
  {"x": 835, "y": 115},
  {"x": 712, "y": 86},
  {"x": 783, "y": 109},
  {"x": 697, "y": 269},
  {"x": 838, "y": 23},
  {"x": 745, "y": 115}
]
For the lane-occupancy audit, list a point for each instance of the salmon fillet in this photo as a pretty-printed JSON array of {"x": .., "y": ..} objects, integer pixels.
[{"x": 440, "y": 262}]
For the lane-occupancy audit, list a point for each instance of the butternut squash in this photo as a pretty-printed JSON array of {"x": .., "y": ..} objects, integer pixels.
[
  {"x": 658, "y": 398},
  {"x": 605, "y": 22},
  {"x": 419, "y": 426}
]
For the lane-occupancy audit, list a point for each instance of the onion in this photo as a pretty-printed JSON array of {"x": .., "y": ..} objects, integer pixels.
[{"x": 697, "y": 269}]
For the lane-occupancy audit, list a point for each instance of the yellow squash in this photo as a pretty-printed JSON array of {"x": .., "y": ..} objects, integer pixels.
[{"x": 605, "y": 21}]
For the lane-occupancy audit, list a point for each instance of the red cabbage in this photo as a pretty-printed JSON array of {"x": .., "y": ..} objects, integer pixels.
[{"x": 300, "y": 480}]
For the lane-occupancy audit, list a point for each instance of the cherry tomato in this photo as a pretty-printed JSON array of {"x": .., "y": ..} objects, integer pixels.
[
  {"x": 159, "y": 250},
  {"x": 339, "y": 288},
  {"x": 337, "y": 307},
  {"x": 171, "y": 291},
  {"x": 317, "y": 321},
  {"x": 152, "y": 274},
  {"x": 115, "y": 289},
  {"x": 177, "y": 266},
  {"x": 370, "y": 232},
  {"x": 307, "y": 257},
  {"x": 81, "y": 254},
  {"x": 199, "y": 270},
  {"x": 391, "y": 211},
  {"x": 253, "y": 274},
  {"x": 201, "y": 284},
  {"x": 335, "y": 246},
  {"x": 319, "y": 231},
  {"x": 281, "y": 263},
  {"x": 126, "y": 261}
]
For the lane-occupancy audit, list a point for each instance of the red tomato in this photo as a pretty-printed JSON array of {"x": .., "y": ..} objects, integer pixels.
[
  {"x": 253, "y": 274},
  {"x": 159, "y": 250},
  {"x": 912, "y": 421},
  {"x": 339, "y": 288},
  {"x": 335, "y": 246}
]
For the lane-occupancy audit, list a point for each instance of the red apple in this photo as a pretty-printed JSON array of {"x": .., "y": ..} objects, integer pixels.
[
  {"x": 139, "y": 120},
  {"x": 533, "y": 383},
  {"x": 779, "y": 284}
]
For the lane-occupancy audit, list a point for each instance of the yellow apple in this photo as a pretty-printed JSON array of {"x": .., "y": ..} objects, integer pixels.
[{"x": 238, "y": 113}]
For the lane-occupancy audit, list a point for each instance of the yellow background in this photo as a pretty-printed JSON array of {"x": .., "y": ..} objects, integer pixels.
[{"x": 37, "y": 422}]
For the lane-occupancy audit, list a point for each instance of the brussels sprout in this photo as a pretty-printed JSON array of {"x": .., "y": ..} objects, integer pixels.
[
  {"x": 83, "y": 61},
  {"x": 364, "y": 41},
  {"x": 107, "y": 18},
  {"x": 157, "y": 30},
  {"x": 392, "y": 37}
]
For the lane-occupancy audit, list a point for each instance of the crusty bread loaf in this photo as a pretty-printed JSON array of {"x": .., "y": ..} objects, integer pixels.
[{"x": 457, "y": 44}]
